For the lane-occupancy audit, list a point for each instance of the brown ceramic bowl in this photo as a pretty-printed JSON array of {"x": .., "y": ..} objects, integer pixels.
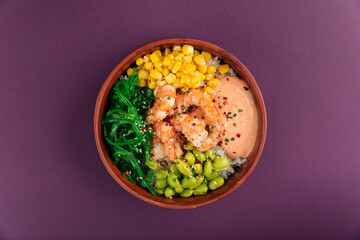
[{"x": 241, "y": 173}]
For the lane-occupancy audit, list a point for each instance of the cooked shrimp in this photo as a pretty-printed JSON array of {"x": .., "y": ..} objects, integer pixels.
[
  {"x": 198, "y": 114},
  {"x": 191, "y": 127},
  {"x": 196, "y": 97},
  {"x": 163, "y": 104},
  {"x": 213, "y": 138},
  {"x": 167, "y": 135},
  {"x": 157, "y": 149},
  {"x": 200, "y": 99}
]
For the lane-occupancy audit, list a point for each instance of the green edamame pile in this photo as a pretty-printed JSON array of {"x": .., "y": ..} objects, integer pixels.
[{"x": 193, "y": 174}]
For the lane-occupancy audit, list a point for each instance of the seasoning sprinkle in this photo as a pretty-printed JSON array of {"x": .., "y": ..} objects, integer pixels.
[
  {"x": 232, "y": 139},
  {"x": 240, "y": 110},
  {"x": 226, "y": 140},
  {"x": 234, "y": 124}
]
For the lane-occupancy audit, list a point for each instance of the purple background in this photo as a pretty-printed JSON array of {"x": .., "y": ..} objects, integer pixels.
[{"x": 54, "y": 57}]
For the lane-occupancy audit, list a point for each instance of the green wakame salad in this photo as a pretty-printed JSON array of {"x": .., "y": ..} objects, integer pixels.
[{"x": 126, "y": 132}]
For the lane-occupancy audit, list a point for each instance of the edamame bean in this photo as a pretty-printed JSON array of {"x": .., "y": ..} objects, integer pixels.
[
  {"x": 189, "y": 146},
  {"x": 200, "y": 190},
  {"x": 161, "y": 173},
  {"x": 208, "y": 168},
  {"x": 169, "y": 192},
  {"x": 198, "y": 168},
  {"x": 161, "y": 183},
  {"x": 212, "y": 176},
  {"x": 199, "y": 155},
  {"x": 221, "y": 164},
  {"x": 152, "y": 165},
  {"x": 190, "y": 158},
  {"x": 187, "y": 193},
  {"x": 174, "y": 170},
  {"x": 188, "y": 182},
  {"x": 173, "y": 181},
  {"x": 200, "y": 180},
  {"x": 183, "y": 167},
  {"x": 159, "y": 191},
  {"x": 179, "y": 189},
  {"x": 216, "y": 183},
  {"x": 210, "y": 155}
]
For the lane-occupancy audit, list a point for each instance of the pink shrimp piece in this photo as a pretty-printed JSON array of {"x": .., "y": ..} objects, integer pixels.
[
  {"x": 191, "y": 127},
  {"x": 213, "y": 138},
  {"x": 198, "y": 114},
  {"x": 200, "y": 99},
  {"x": 203, "y": 101},
  {"x": 163, "y": 104},
  {"x": 157, "y": 149},
  {"x": 167, "y": 136}
]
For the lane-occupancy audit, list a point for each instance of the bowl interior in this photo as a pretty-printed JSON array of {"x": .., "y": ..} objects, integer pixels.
[{"x": 240, "y": 174}]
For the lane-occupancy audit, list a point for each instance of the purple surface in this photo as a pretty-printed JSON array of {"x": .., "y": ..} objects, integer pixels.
[{"x": 54, "y": 57}]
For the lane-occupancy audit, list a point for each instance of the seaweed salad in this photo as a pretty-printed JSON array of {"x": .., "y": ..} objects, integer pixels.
[{"x": 126, "y": 132}]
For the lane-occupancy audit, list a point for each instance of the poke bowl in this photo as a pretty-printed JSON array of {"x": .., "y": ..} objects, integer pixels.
[{"x": 180, "y": 123}]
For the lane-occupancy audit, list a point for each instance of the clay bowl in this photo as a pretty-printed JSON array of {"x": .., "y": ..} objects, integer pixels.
[{"x": 241, "y": 173}]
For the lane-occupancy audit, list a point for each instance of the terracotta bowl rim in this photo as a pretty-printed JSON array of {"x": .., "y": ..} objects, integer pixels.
[{"x": 102, "y": 96}]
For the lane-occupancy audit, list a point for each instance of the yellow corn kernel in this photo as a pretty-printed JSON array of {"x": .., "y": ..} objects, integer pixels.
[
  {"x": 195, "y": 84},
  {"x": 196, "y": 52},
  {"x": 158, "y": 64},
  {"x": 209, "y": 90},
  {"x": 165, "y": 72},
  {"x": 176, "y": 67},
  {"x": 185, "y": 79},
  {"x": 129, "y": 71},
  {"x": 179, "y": 74},
  {"x": 154, "y": 58},
  {"x": 146, "y": 58},
  {"x": 160, "y": 83},
  {"x": 188, "y": 68},
  {"x": 152, "y": 83},
  {"x": 200, "y": 75},
  {"x": 143, "y": 74},
  {"x": 170, "y": 78},
  {"x": 167, "y": 51},
  {"x": 175, "y": 53},
  {"x": 179, "y": 56},
  {"x": 155, "y": 74},
  {"x": 176, "y": 48},
  {"x": 182, "y": 67},
  {"x": 188, "y": 49},
  {"x": 187, "y": 59},
  {"x": 213, "y": 82},
  {"x": 194, "y": 77},
  {"x": 172, "y": 63},
  {"x": 141, "y": 83},
  {"x": 139, "y": 61},
  {"x": 157, "y": 52},
  {"x": 148, "y": 65},
  {"x": 208, "y": 77},
  {"x": 224, "y": 68},
  {"x": 202, "y": 69},
  {"x": 200, "y": 60},
  {"x": 211, "y": 69},
  {"x": 167, "y": 60},
  {"x": 206, "y": 55},
  {"x": 177, "y": 83}
]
